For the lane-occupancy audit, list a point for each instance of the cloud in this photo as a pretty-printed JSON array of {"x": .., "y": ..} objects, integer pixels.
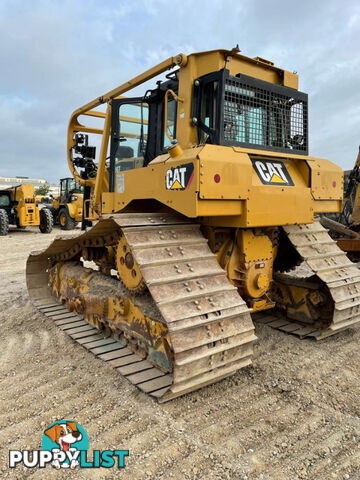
[{"x": 57, "y": 55}]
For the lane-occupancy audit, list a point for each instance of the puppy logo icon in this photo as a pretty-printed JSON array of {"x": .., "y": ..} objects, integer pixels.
[
  {"x": 65, "y": 439},
  {"x": 65, "y": 445}
]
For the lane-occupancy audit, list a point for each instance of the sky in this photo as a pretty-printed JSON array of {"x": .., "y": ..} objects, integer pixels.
[{"x": 57, "y": 55}]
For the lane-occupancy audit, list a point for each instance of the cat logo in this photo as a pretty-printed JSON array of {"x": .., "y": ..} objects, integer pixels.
[
  {"x": 179, "y": 178},
  {"x": 272, "y": 173}
]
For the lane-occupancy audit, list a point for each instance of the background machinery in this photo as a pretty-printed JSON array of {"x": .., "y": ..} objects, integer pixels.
[
  {"x": 67, "y": 207},
  {"x": 42, "y": 200},
  {"x": 350, "y": 214},
  {"x": 345, "y": 226},
  {"x": 204, "y": 196},
  {"x": 18, "y": 207}
]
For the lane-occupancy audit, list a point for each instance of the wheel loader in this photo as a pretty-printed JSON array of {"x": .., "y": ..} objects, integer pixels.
[
  {"x": 204, "y": 198},
  {"x": 67, "y": 207},
  {"x": 18, "y": 207}
]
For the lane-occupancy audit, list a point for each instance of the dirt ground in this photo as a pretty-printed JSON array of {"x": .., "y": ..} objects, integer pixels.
[{"x": 295, "y": 414}]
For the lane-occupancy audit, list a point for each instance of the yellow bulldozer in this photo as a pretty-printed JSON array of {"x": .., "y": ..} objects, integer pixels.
[
  {"x": 67, "y": 207},
  {"x": 18, "y": 207},
  {"x": 204, "y": 197}
]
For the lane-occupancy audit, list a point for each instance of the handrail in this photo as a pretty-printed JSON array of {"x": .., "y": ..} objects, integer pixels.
[
  {"x": 177, "y": 99},
  {"x": 87, "y": 109}
]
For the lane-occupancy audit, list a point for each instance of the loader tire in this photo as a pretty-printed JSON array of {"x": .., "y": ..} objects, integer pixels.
[
  {"x": 46, "y": 221},
  {"x": 4, "y": 222},
  {"x": 66, "y": 222},
  {"x": 53, "y": 213}
]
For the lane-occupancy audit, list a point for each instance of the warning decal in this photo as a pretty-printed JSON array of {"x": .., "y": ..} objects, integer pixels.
[
  {"x": 179, "y": 178},
  {"x": 272, "y": 172}
]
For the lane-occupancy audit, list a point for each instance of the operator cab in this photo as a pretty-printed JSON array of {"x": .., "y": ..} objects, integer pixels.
[
  {"x": 226, "y": 110},
  {"x": 136, "y": 138},
  {"x": 248, "y": 112},
  {"x": 69, "y": 187}
]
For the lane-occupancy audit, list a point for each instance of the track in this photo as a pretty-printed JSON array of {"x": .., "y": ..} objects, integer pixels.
[
  {"x": 210, "y": 327},
  {"x": 331, "y": 266},
  {"x": 295, "y": 394}
]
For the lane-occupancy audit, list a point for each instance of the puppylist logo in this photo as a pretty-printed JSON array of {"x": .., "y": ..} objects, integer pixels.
[{"x": 65, "y": 445}]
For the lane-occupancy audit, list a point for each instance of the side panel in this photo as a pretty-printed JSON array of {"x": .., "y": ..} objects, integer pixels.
[
  {"x": 224, "y": 174},
  {"x": 232, "y": 187},
  {"x": 28, "y": 215},
  {"x": 172, "y": 182},
  {"x": 327, "y": 179},
  {"x": 279, "y": 193},
  {"x": 75, "y": 207}
]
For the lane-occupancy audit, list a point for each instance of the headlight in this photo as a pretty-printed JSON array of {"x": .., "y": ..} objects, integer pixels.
[{"x": 74, "y": 198}]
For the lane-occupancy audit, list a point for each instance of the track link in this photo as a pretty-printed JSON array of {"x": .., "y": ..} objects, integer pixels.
[
  {"x": 210, "y": 327},
  {"x": 330, "y": 264}
]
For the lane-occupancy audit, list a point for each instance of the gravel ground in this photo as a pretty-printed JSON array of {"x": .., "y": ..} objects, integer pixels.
[{"x": 293, "y": 415}]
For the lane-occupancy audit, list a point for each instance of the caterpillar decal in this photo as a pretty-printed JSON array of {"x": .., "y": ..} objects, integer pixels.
[
  {"x": 179, "y": 178},
  {"x": 272, "y": 172}
]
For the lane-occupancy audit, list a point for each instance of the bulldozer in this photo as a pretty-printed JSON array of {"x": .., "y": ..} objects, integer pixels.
[
  {"x": 18, "y": 207},
  {"x": 67, "y": 207},
  {"x": 204, "y": 200}
]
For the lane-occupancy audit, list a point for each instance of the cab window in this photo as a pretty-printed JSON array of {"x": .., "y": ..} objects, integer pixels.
[
  {"x": 208, "y": 110},
  {"x": 169, "y": 127},
  {"x": 4, "y": 201},
  {"x": 74, "y": 187},
  {"x": 131, "y": 136}
]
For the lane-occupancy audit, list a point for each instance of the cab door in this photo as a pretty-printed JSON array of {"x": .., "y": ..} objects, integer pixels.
[{"x": 129, "y": 136}]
